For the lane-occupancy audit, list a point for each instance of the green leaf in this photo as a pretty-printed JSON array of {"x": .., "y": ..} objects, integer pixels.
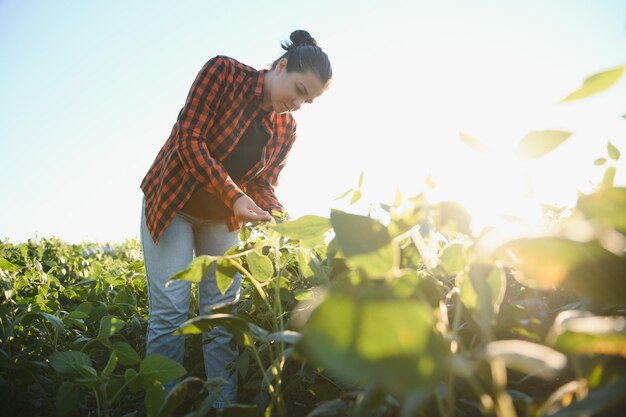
[
  {"x": 321, "y": 273},
  {"x": 527, "y": 357},
  {"x": 131, "y": 378},
  {"x": 539, "y": 143},
  {"x": 549, "y": 262},
  {"x": 260, "y": 266},
  {"x": 110, "y": 366},
  {"x": 365, "y": 242},
  {"x": 614, "y": 153},
  {"x": 242, "y": 363},
  {"x": 473, "y": 143},
  {"x": 367, "y": 337},
  {"x": 70, "y": 364},
  {"x": 403, "y": 221},
  {"x": 67, "y": 398},
  {"x": 582, "y": 334},
  {"x": 244, "y": 234},
  {"x": 7, "y": 266},
  {"x": 606, "y": 206},
  {"x": 452, "y": 258},
  {"x": 482, "y": 291},
  {"x": 360, "y": 182},
  {"x": 155, "y": 396},
  {"x": 157, "y": 367},
  {"x": 201, "y": 324},
  {"x": 304, "y": 259},
  {"x": 125, "y": 353},
  {"x": 58, "y": 324},
  {"x": 356, "y": 196},
  {"x": 309, "y": 230},
  {"x": 109, "y": 325},
  {"x": 597, "y": 83},
  {"x": 225, "y": 273},
  {"x": 599, "y": 162},
  {"x": 197, "y": 269},
  {"x": 5, "y": 360},
  {"x": 609, "y": 178},
  {"x": 344, "y": 194},
  {"x": 178, "y": 394},
  {"x": 286, "y": 336}
]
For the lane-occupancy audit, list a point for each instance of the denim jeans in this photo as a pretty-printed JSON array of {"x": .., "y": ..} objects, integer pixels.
[{"x": 169, "y": 307}]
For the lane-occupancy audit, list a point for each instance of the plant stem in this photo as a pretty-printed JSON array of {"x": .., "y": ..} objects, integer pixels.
[
  {"x": 255, "y": 283},
  {"x": 119, "y": 391},
  {"x": 95, "y": 392},
  {"x": 282, "y": 411},
  {"x": 440, "y": 408},
  {"x": 257, "y": 358}
]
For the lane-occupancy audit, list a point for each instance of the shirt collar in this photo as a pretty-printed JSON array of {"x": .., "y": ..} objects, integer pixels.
[
  {"x": 258, "y": 80},
  {"x": 256, "y": 87}
]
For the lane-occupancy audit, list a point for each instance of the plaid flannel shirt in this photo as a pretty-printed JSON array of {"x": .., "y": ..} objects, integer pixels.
[{"x": 223, "y": 100}]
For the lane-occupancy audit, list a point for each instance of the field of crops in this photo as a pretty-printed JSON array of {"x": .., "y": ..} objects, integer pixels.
[{"x": 404, "y": 315}]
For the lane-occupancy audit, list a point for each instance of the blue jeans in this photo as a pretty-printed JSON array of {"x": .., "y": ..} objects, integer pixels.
[{"x": 169, "y": 307}]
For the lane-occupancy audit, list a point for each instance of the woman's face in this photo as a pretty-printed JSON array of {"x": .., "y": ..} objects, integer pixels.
[{"x": 287, "y": 91}]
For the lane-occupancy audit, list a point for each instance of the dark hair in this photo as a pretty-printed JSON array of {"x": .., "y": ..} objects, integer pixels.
[{"x": 303, "y": 54}]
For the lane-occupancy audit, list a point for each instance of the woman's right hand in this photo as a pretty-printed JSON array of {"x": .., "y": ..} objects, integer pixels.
[{"x": 245, "y": 209}]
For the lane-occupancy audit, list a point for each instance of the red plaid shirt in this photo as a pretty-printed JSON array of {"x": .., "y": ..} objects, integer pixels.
[{"x": 222, "y": 102}]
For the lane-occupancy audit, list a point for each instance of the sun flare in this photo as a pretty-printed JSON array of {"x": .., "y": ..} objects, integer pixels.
[{"x": 497, "y": 190}]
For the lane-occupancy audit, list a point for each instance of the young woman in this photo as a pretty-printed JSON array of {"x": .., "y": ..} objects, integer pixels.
[{"x": 218, "y": 169}]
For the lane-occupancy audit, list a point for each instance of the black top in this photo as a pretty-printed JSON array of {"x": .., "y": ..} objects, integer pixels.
[{"x": 248, "y": 150}]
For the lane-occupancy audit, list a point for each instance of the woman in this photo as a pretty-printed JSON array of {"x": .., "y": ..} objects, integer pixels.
[{"x": 218, "y": 169}]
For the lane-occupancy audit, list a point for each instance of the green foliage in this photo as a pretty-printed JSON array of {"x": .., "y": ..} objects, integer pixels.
[{"x": 349, "y": 315}]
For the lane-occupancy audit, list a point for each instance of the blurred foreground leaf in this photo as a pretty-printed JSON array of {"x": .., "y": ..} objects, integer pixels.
[
  {"x": 309, "y": 230},
  {"x": 577, "y": 333},
  {"x": 606, "y": 206},
  {"x": 540, "y": 143},
  {"x": 597, "y": 83},
  {"x": 451, "y": 216},
  {"x": 473, "y": 143},
  {"x": 197, "y": 269},
  {"x": 365, "y": 242},
  {"x": 364, "y": 336},
  {"x": 527, "y": 357},
  {"x": 482, "y": 291},
  {"x": 608, "y": 400},
  {"x": 585, "y": 267},
  {"x": 614, "y": 153}
]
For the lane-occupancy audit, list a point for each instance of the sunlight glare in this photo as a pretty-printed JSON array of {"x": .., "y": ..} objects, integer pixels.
[{"x": 497, "y": 191}]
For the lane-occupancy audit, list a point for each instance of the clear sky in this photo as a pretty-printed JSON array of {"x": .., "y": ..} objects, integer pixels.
[{"x": 89, "y": 91}]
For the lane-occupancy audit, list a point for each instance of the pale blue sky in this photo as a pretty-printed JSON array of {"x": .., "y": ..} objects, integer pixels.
[{"x": 90, "y": 90}]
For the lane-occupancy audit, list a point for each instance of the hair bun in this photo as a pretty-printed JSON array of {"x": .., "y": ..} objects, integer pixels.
[{"x": 299, "y": 38}]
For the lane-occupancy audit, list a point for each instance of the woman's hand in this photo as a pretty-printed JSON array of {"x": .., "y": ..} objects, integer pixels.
[{"x": 245, "y": 209}]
